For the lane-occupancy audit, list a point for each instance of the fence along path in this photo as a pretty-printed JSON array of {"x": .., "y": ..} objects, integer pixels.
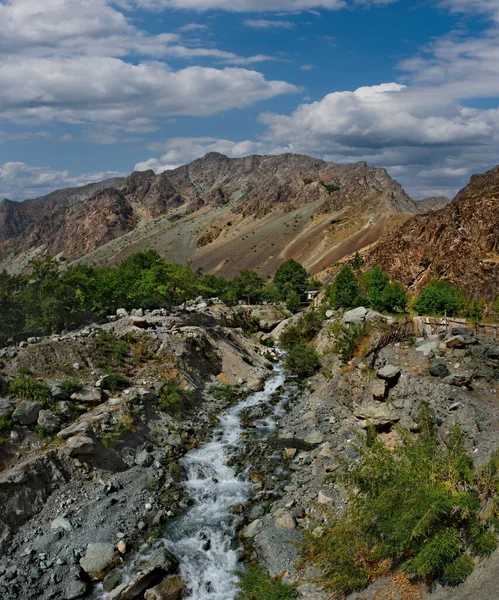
[{"x": 431, "y": 325}]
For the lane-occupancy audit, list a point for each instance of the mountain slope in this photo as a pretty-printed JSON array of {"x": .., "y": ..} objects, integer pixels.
[
  {"x": 459, "y": 243},
  {"x": 222, "y": 214}
]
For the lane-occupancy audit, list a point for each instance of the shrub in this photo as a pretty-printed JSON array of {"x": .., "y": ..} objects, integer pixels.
[
  {"x": 495, "y": 305},
  {"x": 348, "y": 338},
  {"x": 394, "y": 298},
  {"x": 28, "y": 388},
  {"x": 172, "y": 398},
  {"x": 301, "y": 361},
  {"x": 438, "y": 298},
  {"x": 226, "y": 393},
  {"x": 256, "y": 584},
  {"x": 70, "y": 386},
  {"x": 429, "y": 534},
  {"x": 303, "y": 331},
  {"x": 116, "y": 382},
  {"x": 125, "y": 426},
  {"x": 373, "y": 284}
]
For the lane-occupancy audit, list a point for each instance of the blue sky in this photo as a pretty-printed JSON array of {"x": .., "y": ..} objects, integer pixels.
[{"x": 94, "y": 88}]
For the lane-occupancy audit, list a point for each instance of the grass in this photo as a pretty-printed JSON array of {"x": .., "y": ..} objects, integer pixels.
[
  {"x": 256, "y": 584},
  {"x": 124, "y": 427},
  {"x": 226, "y": 393},
  {"x": 172, "y": 398},
  {"x": 26, "y": 387}
]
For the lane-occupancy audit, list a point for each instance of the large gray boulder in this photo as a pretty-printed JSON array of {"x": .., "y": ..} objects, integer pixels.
[
  {"x": 6, "y": 408},
  {"x": 74, "y": 429},
  {"x": 49, "y": 421},
  {"x": 80, "y": 445},
  {"x": 459, "y": 379},
  {"x": 438, "y": 368},
  {"x": 26, "y": 413},
  {"x": 389, "y": 372},
  {"x": 98, "y": 560},
  {"x": 268, "y": 316},
  {"x": 356, "y": 316},
  {"x": 88, "y": 395}
]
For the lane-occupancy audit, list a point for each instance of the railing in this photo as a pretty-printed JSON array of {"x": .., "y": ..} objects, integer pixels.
[
  {"x": 432, "y": 325},
  {"x": 401, "y": 332}
]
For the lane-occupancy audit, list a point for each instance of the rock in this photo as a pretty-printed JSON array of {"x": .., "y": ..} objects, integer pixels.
[
  {"x": 379, "y": 390},
  {"x": 169, "y": 589},
  {"x": 456, "y": 341},
  {"x": 57, "y": 391},
  {"x": 26, "y": 413},
  {"x": 145, "y": 395},
  {"x": 493, "y": 353},
  {"x": 462, "y": 331},
  {"x": 121, "y": 313},
  {"x": 112, "y": 580},
  {"x": 34, "y": 340},
  {"x": 268, "y": 316},
  {"x": 122, "y": 547},
  {"x": 6, "y": 408},
  {"x": 285, "y": 521},
  {"x": 373, "y": 316},
  {"x": 136, "y": 312},
  {"x": 88, "y": 395},
  {"x": 61, "y": 523},
  {"x": 315, "y": 437},
  {"x": 459, "y": 379},
  {"x": 438, "y": 368},
  {"x": 75, "y": 589},
  {"x": 389, "y": 373},
  {"x": 357, "y": 315},
  {"x": 378, "y": 414},
  {"x": 50, "y": 423},
  {"x": 330, "y": 314},
  {"x": 323, "y": 499},
  {"x": 425, "y": 349},
  {"x": 290, "y": 453},
  {"x": 253, "y": 529},
  {"x": 144, "y": 459},
  {"x": 80, "y": 445},
  {"x": 74, "y": 429},
  {"x": 98, "y": 560}
]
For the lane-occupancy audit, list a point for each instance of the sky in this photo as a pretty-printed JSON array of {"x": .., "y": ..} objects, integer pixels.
[{"x": 91, "y": 89}]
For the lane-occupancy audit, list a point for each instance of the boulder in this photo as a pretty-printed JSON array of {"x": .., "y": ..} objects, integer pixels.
[
  {"x": 6, "y": 408},
  {"x": 283, "y": 325},
  {"x": 285, "y": 520},
  {"x": 26, "y": 413},
  {"x": 144, "y": 394},
  {"x": 425, "y": 349},
  {"x": 74, "y": 429},
  {"x": 379, "y": 390},
  {"x": 380, "y": 415},
  {"x": 493, "y": 353},
  {"x": 61, "y": 523},
  {"x": 75, "y": 589},
  {"x": 64, "y": 408},
  {"x": 253, "y": 529},
  {"x": 389, "y": 372},
  {"x": 121, "y": 313},
  {"x": 315, "y": 437},
  {"x": 112, "y": 580},
  {"x": 137, "y": 312},
  {"x": 459, "y": 379},
  {"x": 144, "y": 459},
  {"x": 268, "y": 316},
  {"x": 98, "y": 560},
  {"x": 50, "y": 423},
  {"x": 438, "y": 368},
  {"x": 322, "y": 498},
  {"x": 87, "y": 395},
  {"x": 357, "y": 315},
  {"x": 57, "y": 391},
  {"x": 462, "y": 331},
  {"x": 80, "y": 445},
  {"x": 169, "y": 589}
]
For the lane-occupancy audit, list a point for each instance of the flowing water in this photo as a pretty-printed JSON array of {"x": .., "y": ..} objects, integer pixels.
[{"x": 203, "y": 539}]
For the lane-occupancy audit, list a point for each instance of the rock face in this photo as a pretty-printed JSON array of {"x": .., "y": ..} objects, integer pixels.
[
  {"x": 351, "y": 206},
  {"x": 459, "y": 243}
]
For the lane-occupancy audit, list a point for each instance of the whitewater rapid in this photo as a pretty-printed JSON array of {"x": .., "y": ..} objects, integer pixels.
[{"x": 204, "y": 538}]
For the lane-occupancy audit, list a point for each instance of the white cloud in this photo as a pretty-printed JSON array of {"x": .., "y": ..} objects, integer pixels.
[
  {"x": 266, "y": 24},
  {"x": 193, "y": 27},
  {"x": 109, "y": 89},
  {"x": 241, "y": 5},
  {"x": 307, "y": 67},
  {"x": 19, "y": 180}
]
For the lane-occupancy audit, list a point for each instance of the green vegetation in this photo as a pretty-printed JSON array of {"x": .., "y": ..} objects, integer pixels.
[
  {"x": 438, "y": 298},
  {"x": 116, "y": 382},
  {"x": 302, "y": 361},
  {"x": 5, "y": 427},
  {"x": 291, "y": 276},
  {"x": 28, "y": 388},
  {"x": 348, "y": 338},
  {"x": 49, "y": 298},
  {"x": 172, "y": 398},
  {"x": 433, "y": 533},
  {"x": 226, "y": 393},
  {"x": 357, "y": 261},
  {"x": 303, "y": 331},
  {"x": 70, "y": 386},
  {"x": 257, "y": 584},
  {"x": 293, "y": 302},
  {"x": 124, "y": 427},
  {"x": 330, "y": 187},
  {"x": 344, "y": 291}
]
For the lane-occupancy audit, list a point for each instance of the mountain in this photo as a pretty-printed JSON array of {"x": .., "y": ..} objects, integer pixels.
[
  {"x": 222, "y": 214},
  {"x": 458, "y": 243},
  {"x": 433, "y": 203}
]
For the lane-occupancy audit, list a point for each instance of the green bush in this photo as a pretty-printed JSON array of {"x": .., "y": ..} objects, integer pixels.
[
  {"x": 303, "y": 331},
  {"x": 70, "y": 386},
  {"x": 28, "y": 388},
  {"x": 495, "y": 305},
  {"x": 394, "y": 298},
  {"x": 438, "y": 298},
  {"x": 256, "y": 584},
  {"x": 429, "y": 534},
  {"x": 124, "y": 427},
  {"x": 302, "y": 361},
  {"x": 344, "y": 291},
  {"x": 348, "y": 338},
  {"x": 115, "y": 382},
  {"x": 226, "y": 393},
  {"x": 172, "y": 398},
  {"x": 6, "y": 425},
  {"x": 373, "y": 284},
  {"x": 293, "y": 302}
]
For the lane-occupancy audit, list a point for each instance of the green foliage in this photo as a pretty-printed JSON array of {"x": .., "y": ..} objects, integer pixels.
[
  {"x": 256, "y": 584},
  {"x": 330, "y": 187},
  {"x": 394, "y": 298},
  {"x": 347, "y": 339},
  {"x": 430, "y": 533},
  {"x": 302, "y": 361},
  {"x": 172, "y": 398},
  {"x": 344, "y": 291},
  {"x": 291, "y": 276},
  {"x": 28, "y": 388},
  {"x": 357, "y": 261},
  {"x": 109, "y": 350},
  {"x": 70, "y": 386},
  {"x": 495, "y": 305},
  {"x": 124, "y": 427},
  {"x": 115, "y": 382},
  {"x": 248, "y": 286},
  {"x": 303, "y": 331},
  {"x": 293, "y": 302},
  {"x": 6, "y": 425},
  {"x": 438, "y": 298},
  {"x": 373, "y": 284},
  {"x": 226, "y": 393}
]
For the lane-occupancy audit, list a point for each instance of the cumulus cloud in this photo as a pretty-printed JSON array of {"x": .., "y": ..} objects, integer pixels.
[
  {"x": 242, "y": 5},
  {"x": 19, "y": 180},
  {"x": 109, "y": 89}
]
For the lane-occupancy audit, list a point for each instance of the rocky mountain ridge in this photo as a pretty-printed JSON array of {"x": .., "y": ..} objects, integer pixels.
[{"x": 213, "y": 204}]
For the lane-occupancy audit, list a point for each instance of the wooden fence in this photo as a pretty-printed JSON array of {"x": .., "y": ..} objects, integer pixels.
[{"x": 426, "y": 326}]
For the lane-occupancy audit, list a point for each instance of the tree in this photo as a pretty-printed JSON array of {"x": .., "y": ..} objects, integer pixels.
[
  {"x": 373, "y": 283},
  {"x": 302, "y": 361},
  {"x": 344, "y": 291},
  {"x": 357, "y": 261},
  {"x": 291, "y": 276},
  {"x": 438, "y": 298},
  {"x": 293, "y": 302},
  {"x": 394, "y": 297},
  {"x": 249, "y": 286}
]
